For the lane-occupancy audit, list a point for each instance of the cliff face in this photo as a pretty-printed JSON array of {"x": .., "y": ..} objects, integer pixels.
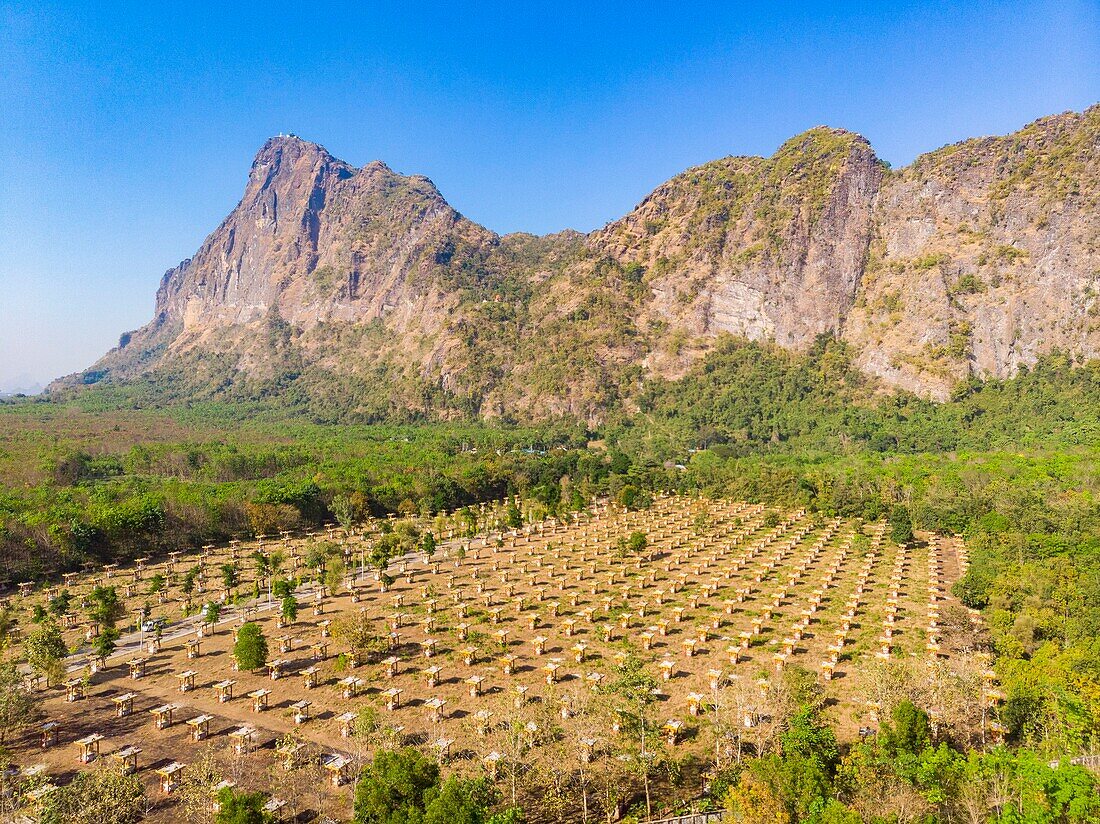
[
  {"x": 975, "y": 259},
  {"x": 984, "y": 255},
  {"x": 763, "y": 249}
]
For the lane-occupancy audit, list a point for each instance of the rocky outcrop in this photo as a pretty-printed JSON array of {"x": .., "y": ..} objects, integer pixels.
[
  {"x": 974, "y": 260},
  {"x": 985, "y": 255},
  {"x": 759, "y": 248}
]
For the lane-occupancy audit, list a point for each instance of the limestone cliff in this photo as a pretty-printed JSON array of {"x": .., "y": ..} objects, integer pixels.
[{"x": 363, "y": 286}]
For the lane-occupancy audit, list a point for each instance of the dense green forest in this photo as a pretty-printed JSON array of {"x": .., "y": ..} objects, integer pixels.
[{"x": 1011, "y": 465}]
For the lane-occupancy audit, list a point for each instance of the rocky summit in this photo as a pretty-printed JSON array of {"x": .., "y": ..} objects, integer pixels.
[{"x": 364, "y": 287}]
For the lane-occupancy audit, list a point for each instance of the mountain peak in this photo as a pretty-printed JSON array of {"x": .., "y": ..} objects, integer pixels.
[{"x": 976, "y": 259}]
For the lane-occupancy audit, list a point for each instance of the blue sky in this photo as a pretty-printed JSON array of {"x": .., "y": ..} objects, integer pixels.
[{"x": 127, "y": 129}]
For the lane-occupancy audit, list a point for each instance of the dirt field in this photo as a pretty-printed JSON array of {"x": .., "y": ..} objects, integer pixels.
[{"x": 713, "y": 578}]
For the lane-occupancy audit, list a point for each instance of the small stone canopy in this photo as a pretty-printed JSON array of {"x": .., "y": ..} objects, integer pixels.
[
  {"x": 242, "y": 738},
  {"x": 337, "y": 765},
  {"x": 124, "y": 704},
  {"x": 89, "y": 747},
  {"x": 435, "y": 705},
  {"x": 187, "y": 680},
  {"x": 36, "y": 796},
  {"x": 49, "y": 733},
  {"x": 200, "y": 726},
  {"x": 127, "y": 758},
  {"x": 309, "y": 677},
  {"x": 301, "y": 711},
  {"x": 259, "y": 699},
  {"x": 74, "y": 690},
  {"x": 162, "y": 715},
  {"x": 350, "y": 686},
  {"x": 170, "y": 776},
  {"x": 273, "y": 806},
  {"x": 393, "y": 697},
  {"x": 224, "y": 690},
  {"x": 347, "y": 723}
]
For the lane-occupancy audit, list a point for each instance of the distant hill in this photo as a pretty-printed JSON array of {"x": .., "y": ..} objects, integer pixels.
[{"x": 361, "y": 292}]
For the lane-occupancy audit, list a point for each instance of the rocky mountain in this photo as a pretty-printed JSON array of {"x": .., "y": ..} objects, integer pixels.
[{"x": 362, "y": 291}]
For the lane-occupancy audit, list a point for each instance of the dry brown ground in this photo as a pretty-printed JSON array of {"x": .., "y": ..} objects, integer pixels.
[{"x": 706, "y": 551}]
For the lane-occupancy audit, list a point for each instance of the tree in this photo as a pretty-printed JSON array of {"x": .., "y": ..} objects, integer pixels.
[
  {"x": 19, "y": 704},
  {"x": 634, "y": 688},
  {"x": 239, "y": 807},
  {"x": 101, "y": 796},
  {"x": 910, "y": 731},
  {"x": 461, "y": 801},
  {"x": 250, "y": 650},
  {"x": 901, "y": 525},
  {"x": 60, "y": 603},
  {"x": 106, "y": 607},
  {"x": 392, "y": 789},
  {"x": 289, "y": 609},
  {"x": 403, "y": 787},
  {"x": 334, "y": 575},
  {"x": 513, "y": 517},
  {"x": 752, "y": 801},
  {"x": 45, "y": 650},
  {"x": 230, "y": 578},
  {"x": 358, "y": 632},
  {"x": 343, "y": 509},
  {"x": 428, "y": 544},
  {"x": 211, "y": 613},
  {"x": 187, "y": 585},
  {"x": 7, "y": 626},
  {"x": 631, "y": 545},
  {"x": 103, "y": 645}
]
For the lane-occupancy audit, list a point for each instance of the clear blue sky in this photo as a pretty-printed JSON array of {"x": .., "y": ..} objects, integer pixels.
[{"x": 127, "y": 129}]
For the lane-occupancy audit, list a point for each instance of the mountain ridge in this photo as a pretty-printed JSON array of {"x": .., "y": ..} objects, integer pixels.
[{"x": 366, "y": 285}]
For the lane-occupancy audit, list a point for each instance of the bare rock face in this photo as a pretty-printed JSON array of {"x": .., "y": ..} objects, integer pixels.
[
  {"x": 985, "y": 255},
  {"x": 974, "y": 260},
  {"x": 312, "y": 241},
  {"x": 760, "y": 248}
]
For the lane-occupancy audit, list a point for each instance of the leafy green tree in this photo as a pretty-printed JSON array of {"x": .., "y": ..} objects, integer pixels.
[
  {"x": 211, "y": 612},
  {"x": 910, "y": 730},
  {"x": 239, "y": 807},
  {"x": 60, "y": 603},
  {"x": 250, "y": 649},
  {"x": 428, "y": 544},
  {"x": 106, "y": 607},
  {"x": 461, "y": 801},
  {"x": 230, "y": 576},
  {"x": 633, "y": 690},
  {"x": 513, "y": 517},
  {"x": 190, "y": 578},
  {"x": 807, "y": 737},
  {"x": 104, "y": 644},
  {"x": 632, "y": 544},
  {"x": 394, "y": 788},
  {"x": 45, "y": 650},
  {"x": 289, "y": 609},
  {"x": 901, "y": 525},
  {"x": 343, "y": 510}
]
